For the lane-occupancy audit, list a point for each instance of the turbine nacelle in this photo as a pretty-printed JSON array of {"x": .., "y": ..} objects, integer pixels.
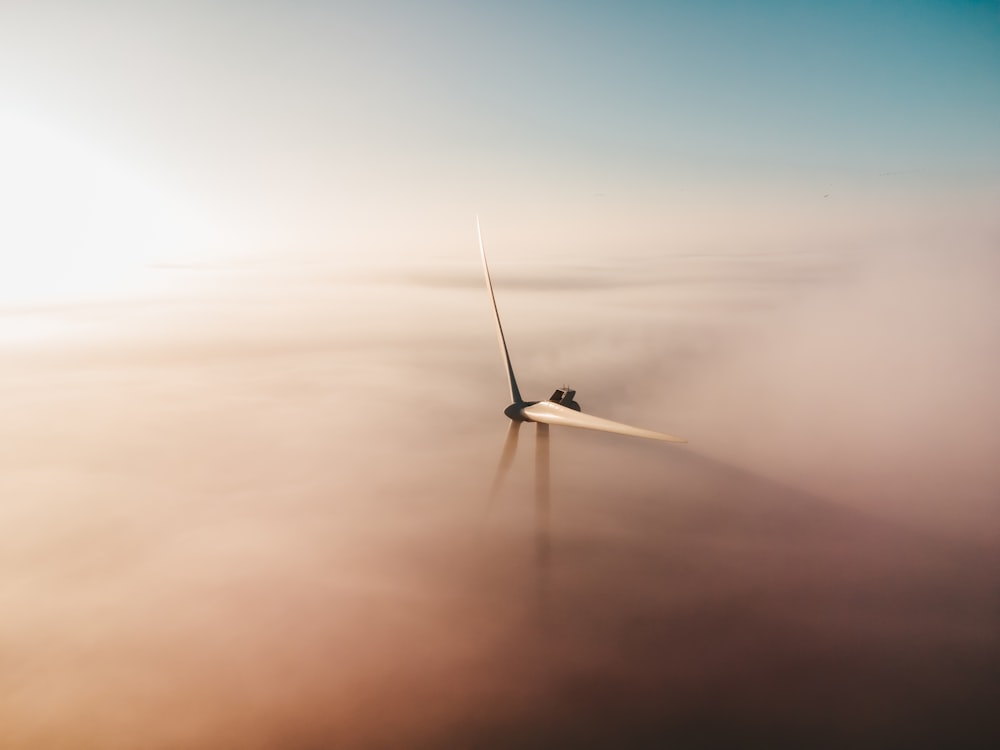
[
  {"x": 562, "y": 396},
  {"x": 565, "y": 396}
]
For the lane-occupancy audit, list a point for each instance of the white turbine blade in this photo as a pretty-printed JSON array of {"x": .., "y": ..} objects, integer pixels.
[
  {"x": 515, "y": 394},
  {"x": 551, "y": 413}
]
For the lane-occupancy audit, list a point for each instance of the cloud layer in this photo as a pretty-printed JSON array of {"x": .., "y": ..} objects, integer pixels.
[{"x": 256, "y": 516}]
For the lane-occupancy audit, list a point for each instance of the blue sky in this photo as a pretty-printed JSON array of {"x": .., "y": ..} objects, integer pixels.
[{"x": 298, "y": 124}]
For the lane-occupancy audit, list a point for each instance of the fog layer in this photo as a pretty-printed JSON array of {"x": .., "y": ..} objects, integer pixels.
[{"x": 254, "y": 513}]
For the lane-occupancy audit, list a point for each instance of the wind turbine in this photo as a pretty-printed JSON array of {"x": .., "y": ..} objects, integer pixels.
[{"x": 559, "y": 409}]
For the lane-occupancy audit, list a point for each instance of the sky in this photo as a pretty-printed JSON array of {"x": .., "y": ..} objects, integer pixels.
[
  {"x": 321, "y": 127},
  {"x": 251, "y": 399}
]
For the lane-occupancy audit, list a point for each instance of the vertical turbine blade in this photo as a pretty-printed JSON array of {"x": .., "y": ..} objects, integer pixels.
[{"x": 515, "y": 394}]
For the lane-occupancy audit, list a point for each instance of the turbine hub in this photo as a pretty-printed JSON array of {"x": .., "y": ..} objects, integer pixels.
[{"x": 514, "y": 410}]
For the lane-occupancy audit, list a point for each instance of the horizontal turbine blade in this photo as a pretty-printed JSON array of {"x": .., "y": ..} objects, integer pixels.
[{"x": 552, "y": 413}]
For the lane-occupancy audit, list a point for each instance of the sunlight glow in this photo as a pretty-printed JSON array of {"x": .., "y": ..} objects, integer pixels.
[{"x": 75, "y": 223}]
